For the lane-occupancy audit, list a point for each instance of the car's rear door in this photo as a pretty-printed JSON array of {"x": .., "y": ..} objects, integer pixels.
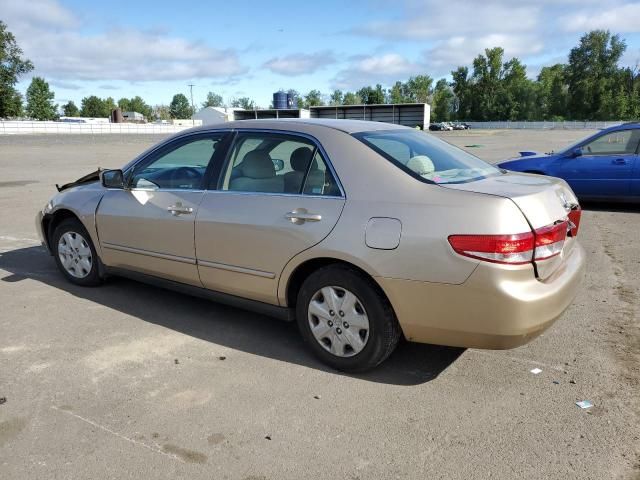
[
  {"x": 254, "y": 219},
  {"x": 149, "y": 226},
  {"x": 605, "y": 167}
]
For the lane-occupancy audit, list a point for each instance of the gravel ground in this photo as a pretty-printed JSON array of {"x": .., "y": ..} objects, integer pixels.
[{"x": 130, "y": 381}]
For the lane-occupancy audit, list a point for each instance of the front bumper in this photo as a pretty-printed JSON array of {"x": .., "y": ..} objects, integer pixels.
[
  {"x": 39, "y": 228},
  {"x": 497, "y": 307}
]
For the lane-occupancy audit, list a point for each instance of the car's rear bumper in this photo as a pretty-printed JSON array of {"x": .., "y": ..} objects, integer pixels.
[{"x": 496, "y": 308}]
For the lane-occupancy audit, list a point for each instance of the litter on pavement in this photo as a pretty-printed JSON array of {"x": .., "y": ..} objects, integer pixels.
[
  {"x": 536, "y": 371},
  {"x": 584, "y": 404}
]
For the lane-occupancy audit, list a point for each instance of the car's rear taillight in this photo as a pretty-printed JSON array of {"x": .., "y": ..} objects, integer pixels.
[
  {"x": 516, "y": 249},
  {"x": 550, "y": 240},
  {"x": 574, "y": 217},
  {"x": 512, "y": 249}
]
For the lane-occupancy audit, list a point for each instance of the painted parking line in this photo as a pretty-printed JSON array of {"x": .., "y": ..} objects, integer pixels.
[{"x": 9, "y": 238}]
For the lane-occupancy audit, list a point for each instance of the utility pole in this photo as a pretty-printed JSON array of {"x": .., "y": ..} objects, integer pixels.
[{"x": 193, "y": 109}]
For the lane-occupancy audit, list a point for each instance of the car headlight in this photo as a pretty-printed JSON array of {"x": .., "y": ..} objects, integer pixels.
[{"x": 47, "y": 208}]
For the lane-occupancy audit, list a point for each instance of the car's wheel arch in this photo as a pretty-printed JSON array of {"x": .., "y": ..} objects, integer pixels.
[
  {"x": 298, "y": 275},
  {"x": 51, "y": 221}
]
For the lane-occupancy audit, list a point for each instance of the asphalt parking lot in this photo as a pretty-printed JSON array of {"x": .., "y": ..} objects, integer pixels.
[{"x": 131, "y": 381}]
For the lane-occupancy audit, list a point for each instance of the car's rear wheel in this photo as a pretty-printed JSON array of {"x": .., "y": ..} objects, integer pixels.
[
  {"x": 345, "y": 318},
  {"x": 75, "y": 254}
]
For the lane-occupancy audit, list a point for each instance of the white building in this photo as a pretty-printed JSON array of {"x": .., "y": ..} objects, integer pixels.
[
  {"x": 133, "y": 117},
  {"x": 213, "y": 115}
]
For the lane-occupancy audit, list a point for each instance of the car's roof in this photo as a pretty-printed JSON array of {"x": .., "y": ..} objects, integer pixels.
[
  {"x": 294, "y": 124},
  {"x": 623, "y": 126}
]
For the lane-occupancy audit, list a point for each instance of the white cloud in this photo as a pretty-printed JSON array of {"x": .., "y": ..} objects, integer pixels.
[
  {"x": 60, "y": 51},
  {"x": 455, "y": 51},
  {"x": 65, "y": 85},
  {"x": 370, "y": 70},
  {"x": 299, "y": 63},
  {"x": 435, "y": 19},
  {"x": 618, "y": 18},
  {"x": 40, "y": 13}
]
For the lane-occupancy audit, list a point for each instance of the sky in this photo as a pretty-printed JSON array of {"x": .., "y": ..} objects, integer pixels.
[{"x": 239, "y": 48}]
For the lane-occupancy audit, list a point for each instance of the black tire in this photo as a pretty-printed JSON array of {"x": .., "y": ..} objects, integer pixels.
[
  {"x": 74, "y": 226},
  {"x": 384, "y": 331}
]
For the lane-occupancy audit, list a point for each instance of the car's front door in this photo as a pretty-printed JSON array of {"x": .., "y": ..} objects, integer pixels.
[
  {"x": 149, "y": 226},
  {"x": 605, "y": 167},
  {"x": 256, "y": 219}
]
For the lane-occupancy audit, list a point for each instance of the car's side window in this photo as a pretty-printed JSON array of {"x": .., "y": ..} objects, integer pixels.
[
  {"x": 277, "y": 163},
  {"x": 614, "y": 143},
  {"x": 182, "y": 167},
  {"x": 320, "y": 180}
]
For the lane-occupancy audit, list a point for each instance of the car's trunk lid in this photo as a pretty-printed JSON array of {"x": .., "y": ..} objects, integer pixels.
[{"x": 542, "y": 200}]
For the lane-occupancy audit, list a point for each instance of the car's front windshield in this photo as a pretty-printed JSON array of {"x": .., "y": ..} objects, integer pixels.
[{"x": 427, "y": 157}]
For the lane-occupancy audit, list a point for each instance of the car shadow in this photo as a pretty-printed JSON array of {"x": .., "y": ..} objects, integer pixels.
[
  {"x": 410, "y": 364},
  {"x": 610, "y": 207}
]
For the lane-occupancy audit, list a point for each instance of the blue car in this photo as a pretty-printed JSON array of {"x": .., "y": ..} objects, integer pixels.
[{"x": 604, "y": 166}]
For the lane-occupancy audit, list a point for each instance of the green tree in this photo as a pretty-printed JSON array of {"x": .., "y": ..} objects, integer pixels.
[
  {"x": 313, "y": 99},
  {"x": 70, "y": 109},
  {"x": 519, "y": 92},
  {"x": 108, "y": 105},
  {"x": 12, "y": 104},
  {"x": 125, "y": 105},
  {"x": 591, "y": 74},
  {"x": 351, "y": 98},
  {"x": 399, "y": 93},
  {"x": 213, "y": 100},
  {"x": 419, "y": 89},
  {"x": 136, "y": 104},
  {"x": 243, "y": 102},
  {"x": 372, "y": 96},
  {"x": 40, "y": 100},
  {"x": 94, "y": 107},
  {"x": 487, "y": 99},
  {"x": 462, "y": 89},
  {"x": 552, "y": 93},
  {"x": 179, "y": 107},
  {"x": 336, "y": 97},
  {"x": 12, "y": 67},
  {"x": 443, "y": 97}
]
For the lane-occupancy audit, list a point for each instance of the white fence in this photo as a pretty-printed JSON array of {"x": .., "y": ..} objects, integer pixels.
[
  {"x": 25, "y": 128},
  {"x": 569, "y": 125}
]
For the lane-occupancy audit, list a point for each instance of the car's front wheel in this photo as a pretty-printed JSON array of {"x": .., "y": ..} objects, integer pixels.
[
  {"x": 345, "y": 318},
  {"x": 75, "y": 254}
]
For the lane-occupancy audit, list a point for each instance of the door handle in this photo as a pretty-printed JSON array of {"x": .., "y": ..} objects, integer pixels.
[
  {"x": 179, "y": 209},
  {"x": 300, "y": 215},
  {"x": 619, "y": 161}
]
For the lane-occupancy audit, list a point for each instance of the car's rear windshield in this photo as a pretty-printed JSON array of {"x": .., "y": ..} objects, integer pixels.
[{"x": 426, "y": 157}]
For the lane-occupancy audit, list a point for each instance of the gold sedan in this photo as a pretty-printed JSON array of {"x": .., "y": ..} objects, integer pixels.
[{"x": 362, "y": 232}]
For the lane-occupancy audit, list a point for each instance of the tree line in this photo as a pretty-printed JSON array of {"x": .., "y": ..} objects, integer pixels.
[{"x": 591, "y": 85}]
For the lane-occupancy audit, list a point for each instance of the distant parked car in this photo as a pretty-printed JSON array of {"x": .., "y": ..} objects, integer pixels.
[
  {"x": 442, "y": 126},
  {"x": 604, "y": 166},
  {"x": 362, "y": 232},
  {"x": 460, "y": 126}
]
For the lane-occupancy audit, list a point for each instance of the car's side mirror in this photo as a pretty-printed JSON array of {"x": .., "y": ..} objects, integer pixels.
[
  {"x": 112, "y": 178},
  {"x": 278, "y": 164},
  {"x": 576, "y": 152}
]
